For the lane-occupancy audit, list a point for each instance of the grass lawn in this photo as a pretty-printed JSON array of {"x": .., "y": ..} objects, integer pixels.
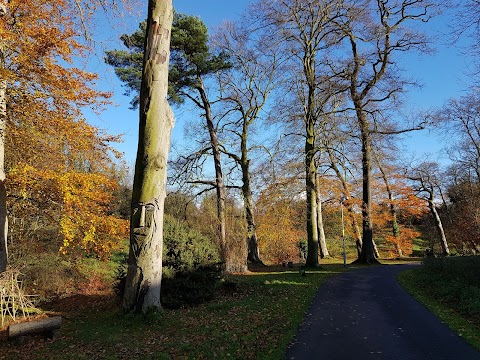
[
  {"x": 254, "y": 316},
  {"x": 450, "y": 288}
]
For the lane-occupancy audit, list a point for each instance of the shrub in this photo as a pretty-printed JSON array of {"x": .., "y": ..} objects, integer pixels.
[
  {"x": 51, "y": 275},
  {"x": 454, "y": 281},
  {"x": 465, "y": 268},
  {"x": 192, "y": 287},
  {"x": 185, "y": 249}
]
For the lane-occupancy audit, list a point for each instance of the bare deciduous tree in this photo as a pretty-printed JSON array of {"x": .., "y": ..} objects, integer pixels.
[
  {"x": 460, "y": 119},
  {"x": 467, "y": 23},
  {"x": 245, "y": 92},
  {"x": 375, "y": 31},
  {"x": 308, "y": 27},
  {"x": 426, "y": 177},
  {"x": 192, "y": 63}
]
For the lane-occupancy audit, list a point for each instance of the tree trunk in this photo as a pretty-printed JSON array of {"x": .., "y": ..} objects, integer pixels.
[
  {"x": 220, "y": 188},
  {"x": 3, "y": 192},
  {"x": 144, "y": 274},
  {"x": 321, "y": 232},
  {"x": 375, "y": 249},
  {"x": 310, "y": 179},
  {"x": 396, "y": 234},
  {"x": 368, "y": 247},
  {"x": 252, "y": 242},
  {"x": 439, "y": 226},
  {"x": 310, "y": 166},
  {"x": 356, "y": 232},
  {"x": 253, "y": 254}
]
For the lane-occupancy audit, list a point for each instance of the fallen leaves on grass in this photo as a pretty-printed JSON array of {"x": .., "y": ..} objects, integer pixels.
[{"x": 254, "y": 318}]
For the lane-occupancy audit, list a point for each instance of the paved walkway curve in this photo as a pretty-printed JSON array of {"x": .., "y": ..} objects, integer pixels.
[{"x": 364, "y": 314}]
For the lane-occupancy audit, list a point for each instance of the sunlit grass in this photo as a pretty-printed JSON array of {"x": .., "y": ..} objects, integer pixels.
[{"x": 402, "y": 261}]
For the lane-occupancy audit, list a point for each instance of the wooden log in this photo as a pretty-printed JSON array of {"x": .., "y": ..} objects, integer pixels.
[{"x": 47, "y": 326}]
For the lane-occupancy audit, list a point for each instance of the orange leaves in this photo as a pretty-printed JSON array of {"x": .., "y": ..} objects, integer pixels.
[
  {"x": 38, "y": 41},
  {"x": 279, "y": 225},
  {"x": 78, "y": 204},
  {"x": 403, "y": 242},
  {"x": 278, "y": 239},
  {"x": 55, "y": 161},
  {"x": 45, "y": 95},
  {"x": 394, "y": 217}
]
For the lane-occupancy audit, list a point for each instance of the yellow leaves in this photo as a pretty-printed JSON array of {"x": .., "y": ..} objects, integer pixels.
[
  {"x": 79, "y": 203},
  {"x": 67, "y": 229},
  {"x": 86, "y": 199}
]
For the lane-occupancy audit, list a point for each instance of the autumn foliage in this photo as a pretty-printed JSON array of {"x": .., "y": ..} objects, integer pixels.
[
  {"x": 39, "y": 42},
  {"x": 81, "y": 211},
  {"x": 280, "y": 225},
  {"x": 59, "y": 178},
  {"x": 395, "y": 217}
]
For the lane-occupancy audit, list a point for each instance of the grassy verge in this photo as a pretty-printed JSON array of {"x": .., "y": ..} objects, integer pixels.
[
  {"x": 451, "y": 292},
  {"x": 253, "y": 317}
]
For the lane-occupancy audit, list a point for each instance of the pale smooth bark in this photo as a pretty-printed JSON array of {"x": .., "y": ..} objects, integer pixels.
[
  {"x": 426, "y": 175},
  {"x": 142, "y": 291},
  {"x": 3, "y": 192},
  {"x": 321, "y": 231},
  {"x": 439, "y": 227},
  {"x": 428, "y": 187}
]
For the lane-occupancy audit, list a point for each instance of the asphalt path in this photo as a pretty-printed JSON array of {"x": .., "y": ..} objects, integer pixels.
[{"x": 364, "y": 314}]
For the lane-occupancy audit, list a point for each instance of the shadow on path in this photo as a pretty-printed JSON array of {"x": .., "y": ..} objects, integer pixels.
[{"x": 365, "y": 314}]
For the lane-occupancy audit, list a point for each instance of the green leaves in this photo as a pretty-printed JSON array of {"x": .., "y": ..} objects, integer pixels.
[
  {"x": 190, "y": 58},
  {"x": 128, "y": 64}
]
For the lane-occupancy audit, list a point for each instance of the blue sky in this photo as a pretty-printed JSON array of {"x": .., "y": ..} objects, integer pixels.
[
  {"x": 442, "y": 75},
  {"x": 212, "y": 12}
]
